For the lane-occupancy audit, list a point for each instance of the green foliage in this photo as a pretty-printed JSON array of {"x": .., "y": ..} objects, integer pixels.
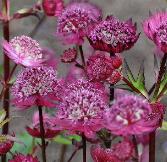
[
  {"x": 66, "y": 140},
  {"x": 164, "y": 126}
]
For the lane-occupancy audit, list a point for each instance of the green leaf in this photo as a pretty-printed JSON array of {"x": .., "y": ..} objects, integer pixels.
[
  {"x": 66, "y": 140},
  {"x": 2, "y": 115},
  {"x": 28, "y": 142}
]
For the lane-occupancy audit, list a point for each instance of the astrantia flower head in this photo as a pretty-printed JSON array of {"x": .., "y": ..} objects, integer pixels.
[
  {"x": 100, "y": 154},
  {"x": 34, "y": 130},
  {"x": 25, "y": 51},
  {"x": 24, "y": 158},
  {"x": 36, "y": 86},
  {"x": 53, "y": 7},
  {"x": 76, "y": 20},
  {"x": 115, "y": 77},
  {"x": 69, "y": 55},
  {"x": 99, "y": 67},
  {"x": 81, "y": 108},
  {"x": 113, "y": 35},
  {"x": 129, "y": 116},
  {"x": 155, "y": 27},
  {"x": 5, "y": 146}
]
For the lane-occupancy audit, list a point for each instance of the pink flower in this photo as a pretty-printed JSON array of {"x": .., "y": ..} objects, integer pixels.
[
  {"x": 115, "y": 77},
  {"x": 22, "y": 158},
  {"x": 5, "y": 146},
  {"x": 99, "y": 67},
  {"x": 100, "y": 154},
  {"x": 34, "y": 130},
  {"x": 155, "y": 27},
  {"x": 81, "y": 108},
  {"x": 112, "y": 35},
  {"x": 129, "y": 116},
  {"x": 25, "y": 51},
  {"x": 36, "y": 86},
  {"x": 69, "y": 55},
  {"x": 53, "y": 7},
  {"x": 76, "y": 20},
  {"x": 120, "y": 152},
  {"x": 123, "y": 150},
  {"x": 116, "y": 61}
]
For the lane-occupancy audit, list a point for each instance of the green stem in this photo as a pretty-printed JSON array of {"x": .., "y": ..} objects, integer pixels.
[
  {"x": 6, "y": 67},
  {"x": 42, "y": 132}
]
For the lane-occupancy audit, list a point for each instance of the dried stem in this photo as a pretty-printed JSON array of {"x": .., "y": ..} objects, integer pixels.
[{"x": 42, "y": 132}]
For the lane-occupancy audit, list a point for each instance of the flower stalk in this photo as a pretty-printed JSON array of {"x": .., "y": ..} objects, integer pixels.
[
  {"x": 84, "y": 147},
  {"x": 42, "y": 132},
  {"x": 6, "y": 66}
]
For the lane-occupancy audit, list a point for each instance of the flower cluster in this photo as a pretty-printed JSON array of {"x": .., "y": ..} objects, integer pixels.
[
  {"x": 129, "y": 115},
  {"x": 69, "y": 55},
  {"x": 113, "y": 35},
  {"x": 81, "y": 110},
  {"x": 21, "y": 157},
  {"x": 36, "y": 86},
  {"x": 76, "y": 20}
]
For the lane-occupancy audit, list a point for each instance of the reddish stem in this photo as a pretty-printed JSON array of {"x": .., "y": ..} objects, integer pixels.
[
  {"x": 6, "y": 67},
  {"x": 84, "y": 147},
  {"x": 42, "y": 132},
  {"x": 82, "y": 55}
]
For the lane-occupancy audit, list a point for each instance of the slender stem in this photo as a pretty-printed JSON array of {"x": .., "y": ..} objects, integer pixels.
[
  {"x": 6, "y": 66},
  {"x": 152, "y": 147},
  {"x": 151, "y": 89},
  {"x": 73, "y": 154},
  {"x": 42, "y": 132},
  {"x": 11, "y": 73},
  {"x": 161, "y": 73},
  {"x": 84, "y": 147},
  {"x": 136, "y": 159},
  {"x": 63, "y": 151},
  {"x": 35, "y": 30},
  {"x": 82, "y": 55}
]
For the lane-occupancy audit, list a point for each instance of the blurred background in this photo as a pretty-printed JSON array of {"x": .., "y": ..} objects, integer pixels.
[{"x": 143, "y": 50}]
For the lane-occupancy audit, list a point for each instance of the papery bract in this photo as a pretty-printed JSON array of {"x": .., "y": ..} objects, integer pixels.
[
  {"x": 53, "y": 7},
  {"x": 5, "y": 146},
  {"x": 76, "y": 20},
  {"x": 99, "y": 67},
  {"x": 155, "y": 27},
  {"x": 24, "y": 158},
  {"x": 112, "y": 35},
  {"x": 81, "y": 108},
  {"x": 36, "y": 86},
  {"x": 25, "y": 51},
  {"x": 129, "y": 116},
  {"x": 34, "y": 129},
  {"x": 69, "y": 55}
]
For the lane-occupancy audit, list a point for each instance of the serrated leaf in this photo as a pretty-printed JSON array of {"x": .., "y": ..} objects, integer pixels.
[
  {"x": 141, "y": 76},
  {"x": 129, "y": 72},
  {"x": 156, "y": 66},
  {"x": 2, "y": 115},
  {"x": 4, "y": 122}
]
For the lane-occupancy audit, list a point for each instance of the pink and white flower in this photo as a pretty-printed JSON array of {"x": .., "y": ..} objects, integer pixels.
[
  {"x": 25, "y": 51},
  {"x": 22, "y": 158},
  {"x": 155, "y": 27},
  {"x": 76, "y": 20},
  {"x": 81, "y": 108},
  {"x": 112, "y": 35},
  {"x": 129, "y": 115},
  {"x": 36, "y": 86}
]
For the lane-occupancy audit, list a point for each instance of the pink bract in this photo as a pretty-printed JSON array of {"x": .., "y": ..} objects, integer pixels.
[
  {"x": 69, "y": 55},
  {"x": 129, "y": 116},
  {"x": 76, "y": 20},
  {"x": 114, "y": 36},
  {"x": 155, "y": 27},
  {"x": 5, "y": 146},
  {"x": 25, "y": 51},
  {"x": 99, "y": 67},
  {"x": 81, "y": 108},
  {"x": 53, "y": 7},
  {"x": 34, "y": 130},
  {"x": 36, "y": 86},
  {"x": 22, "y": 158},
  {"x": 100, "y": 154}
]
